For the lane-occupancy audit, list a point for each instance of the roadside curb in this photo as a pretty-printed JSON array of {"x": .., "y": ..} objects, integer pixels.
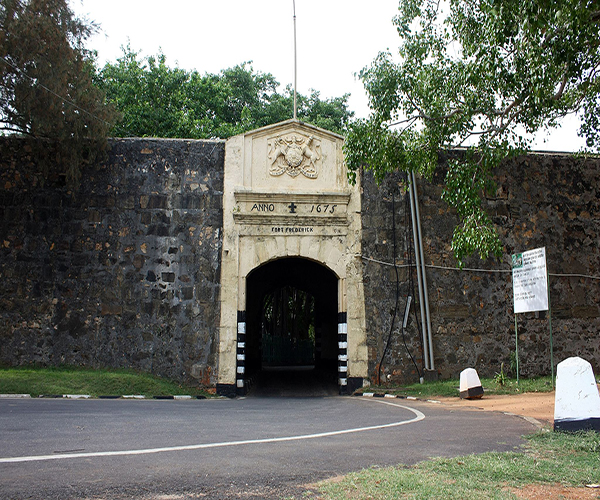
[
  {"x": 531, "y": 420},
  {"x": 87, "y": 396},
  {"x": 395, "y": 396},
  {"x": 65, "y": 396}
]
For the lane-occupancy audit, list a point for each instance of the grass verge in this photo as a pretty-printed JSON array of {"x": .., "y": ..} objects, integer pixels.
[
  {"x": 75, "y": 380},
  {"x": 549, "y": 458},
  {"x": 451, "y": 387}
]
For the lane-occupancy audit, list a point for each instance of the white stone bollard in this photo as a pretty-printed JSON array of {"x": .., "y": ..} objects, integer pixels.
[
  {"x": 577, "y": 402},
  {"x": 470, "y": 385}
]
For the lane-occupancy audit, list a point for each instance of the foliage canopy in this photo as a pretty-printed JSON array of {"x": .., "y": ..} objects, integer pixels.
[
  {"x": 161, "y": 101},
  {"x": 484, "y": 75},
  {"x": 46, "y": 87}
]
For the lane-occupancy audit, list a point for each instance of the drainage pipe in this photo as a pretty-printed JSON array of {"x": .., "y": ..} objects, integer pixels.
[
  {"x": 418, "y": 266},
  {"x": 423, "y": 270}
]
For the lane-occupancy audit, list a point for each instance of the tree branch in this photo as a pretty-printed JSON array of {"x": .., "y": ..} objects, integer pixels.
[
  {"x": 17, "y": 131},
  {"x": 563, "y": 84}
]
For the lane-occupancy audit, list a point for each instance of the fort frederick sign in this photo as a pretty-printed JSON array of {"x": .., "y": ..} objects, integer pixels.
[
  {"x": 283, "y": 213},
  {"x": 290, "y": 219}
]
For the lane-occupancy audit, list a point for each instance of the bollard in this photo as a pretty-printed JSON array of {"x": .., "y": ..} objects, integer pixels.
[
  {"x": 577, "y": 402},
  {"x": 470, "y": 385}
]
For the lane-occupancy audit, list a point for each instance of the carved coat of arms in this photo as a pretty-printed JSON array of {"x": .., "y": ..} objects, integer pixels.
[{"x": 294, "y": 154}]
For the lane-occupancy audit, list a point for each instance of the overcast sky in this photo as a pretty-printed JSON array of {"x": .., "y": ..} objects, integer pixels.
[{"x": 335, "y": 39}]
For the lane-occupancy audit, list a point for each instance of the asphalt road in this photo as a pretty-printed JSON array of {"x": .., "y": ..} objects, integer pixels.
[{"x": 250, "y": 448}]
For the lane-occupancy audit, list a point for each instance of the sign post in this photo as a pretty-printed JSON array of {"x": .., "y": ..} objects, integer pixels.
[
  {"x": 531, "y": 291},
  {"x": 550, "y": 325}
]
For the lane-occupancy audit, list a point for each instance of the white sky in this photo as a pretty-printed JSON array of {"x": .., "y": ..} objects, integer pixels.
[{"x": 335, "y": 40}]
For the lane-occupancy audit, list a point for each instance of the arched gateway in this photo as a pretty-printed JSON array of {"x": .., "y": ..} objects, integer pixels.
[{"x": 291, "y": 225}]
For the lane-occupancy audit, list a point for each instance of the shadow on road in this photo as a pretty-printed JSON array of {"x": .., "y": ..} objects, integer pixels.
[{"x": 294, "y": 381}]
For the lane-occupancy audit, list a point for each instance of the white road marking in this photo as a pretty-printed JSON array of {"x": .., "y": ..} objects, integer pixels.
[{"x": 62, "y": 456}]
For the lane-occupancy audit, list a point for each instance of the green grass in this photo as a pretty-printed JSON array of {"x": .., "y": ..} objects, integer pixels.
[
  {"x": 74, "y": 380},
  {"x": 451, "y": 387},
  {"x": 548, "y": 458}
]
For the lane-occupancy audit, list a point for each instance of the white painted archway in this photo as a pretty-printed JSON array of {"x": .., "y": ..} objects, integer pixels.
[{"x": 286, "y": 195}]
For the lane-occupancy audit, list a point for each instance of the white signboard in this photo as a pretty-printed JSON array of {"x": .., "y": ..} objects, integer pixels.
[{"x": 530, "y": 281}]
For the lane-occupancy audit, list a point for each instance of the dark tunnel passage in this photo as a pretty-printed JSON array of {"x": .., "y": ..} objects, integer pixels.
[{"x": 291, "y": 335}]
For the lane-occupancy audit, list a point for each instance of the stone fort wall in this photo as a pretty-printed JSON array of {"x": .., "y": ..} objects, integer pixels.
[
  {"x": 542, "y": 200},
  {"x": 126, "y": 272}
]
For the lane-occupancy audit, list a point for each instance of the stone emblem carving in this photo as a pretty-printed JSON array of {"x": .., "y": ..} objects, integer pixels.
[{"x": 294, "y": 154}]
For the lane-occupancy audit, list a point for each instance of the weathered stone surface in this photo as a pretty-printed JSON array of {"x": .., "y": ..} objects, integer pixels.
[
  {"x": 546, "y": 200},
  {"x": 127, "y": 272},
  {"x": 117, "y": 274}
]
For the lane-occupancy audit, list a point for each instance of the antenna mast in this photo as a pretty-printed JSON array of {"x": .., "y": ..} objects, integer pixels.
[{"x": 295, "y": 64}]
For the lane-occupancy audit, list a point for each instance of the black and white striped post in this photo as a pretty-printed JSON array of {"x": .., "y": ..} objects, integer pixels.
[
  {"x": 343, "y": 352},
  {"x": 241, "y": 353},
  {"x": 318, "y": 347}
]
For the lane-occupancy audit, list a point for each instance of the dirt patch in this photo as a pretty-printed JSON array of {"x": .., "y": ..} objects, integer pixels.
[
  {"x": 555, "y": 492},
  {"x": 537, "y": 405}
]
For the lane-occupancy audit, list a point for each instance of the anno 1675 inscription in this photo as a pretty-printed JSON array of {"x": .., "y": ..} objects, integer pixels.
[{"x": 293, "y": 208}]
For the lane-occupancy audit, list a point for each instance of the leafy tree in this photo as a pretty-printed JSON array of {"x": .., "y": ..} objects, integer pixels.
[
  {"x": 160, "y": 101},
  {"x": 46, "y": 88},
  {"x": 484, "y": 74}
]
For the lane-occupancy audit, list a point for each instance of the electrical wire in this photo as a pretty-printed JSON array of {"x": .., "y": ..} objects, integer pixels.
[
  {"x": 412, "y": 358},
  {"x": 62, "y": 98},
  {"x": 384, "y": 263},
  {"x": 387, "y": 345},
  {"x": 561, "y": 275},
  {"x": 475, "y": 270},
  {"x": 411, "y": 287}
]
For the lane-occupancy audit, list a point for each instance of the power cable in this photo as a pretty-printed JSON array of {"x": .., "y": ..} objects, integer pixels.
[
  {"x": 408, "y": 299},
  {"x": 407, "y": 314},
  {"x": 475, "y": 270},
  {"x": 387, "y": 345},
  {"x": 384, "y": 263},
  {"x": 561, "y": 275},
  {"x": 62, "y": 98}
]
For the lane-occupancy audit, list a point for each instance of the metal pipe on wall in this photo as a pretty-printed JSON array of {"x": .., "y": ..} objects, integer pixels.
[
  {"x": 425, "y": 292},
  {"x": 419, "y": 277}
]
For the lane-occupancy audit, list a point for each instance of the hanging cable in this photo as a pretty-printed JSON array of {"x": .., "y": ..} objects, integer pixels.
[
  {"x": 62, "y": 98},
  {"x": 406, "y": 315},
  {"x": 408, "y": 298},
  {"x": 387, "y": 345},
  {"x": 475, "y": 270}
]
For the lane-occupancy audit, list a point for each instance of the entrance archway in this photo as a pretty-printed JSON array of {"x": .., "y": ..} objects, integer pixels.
[
  {"x": 292, "y": 328},
  {"x": 291, "y": 231}
]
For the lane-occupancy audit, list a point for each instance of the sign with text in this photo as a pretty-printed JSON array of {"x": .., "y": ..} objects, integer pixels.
[{"x": 530, "y": 281}]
